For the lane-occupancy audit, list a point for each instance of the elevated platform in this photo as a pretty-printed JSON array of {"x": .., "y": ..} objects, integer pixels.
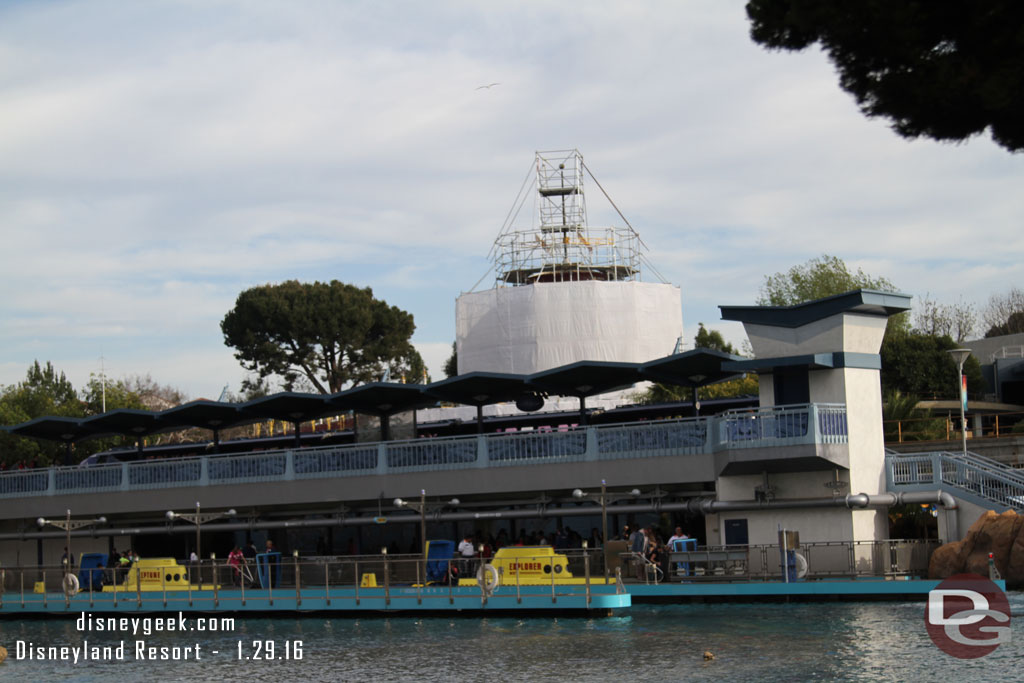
[{"x": 682, "y": 451}]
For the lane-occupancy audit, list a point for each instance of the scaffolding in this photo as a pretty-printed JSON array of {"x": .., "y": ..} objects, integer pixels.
[{"x": 562, "y": 247}]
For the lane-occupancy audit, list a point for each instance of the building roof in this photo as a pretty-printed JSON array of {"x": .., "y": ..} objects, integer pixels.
[
  {"x": 587, "y": 377},
  {"x": 694, "y": 368},
  {"x": 479, "y": 388},
  {"x": 862, "y": 301},
  {"x": 381, "y": 398}
]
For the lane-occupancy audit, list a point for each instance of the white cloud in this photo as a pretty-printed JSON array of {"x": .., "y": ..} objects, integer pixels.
[{"x": 158, "y": 158}]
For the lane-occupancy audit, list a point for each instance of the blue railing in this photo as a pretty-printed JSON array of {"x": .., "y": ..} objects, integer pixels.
[
  {"x": 762, "y": 428},
  {"x": 972, "y": 476}
]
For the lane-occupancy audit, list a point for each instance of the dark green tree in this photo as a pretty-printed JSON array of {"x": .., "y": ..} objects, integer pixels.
[
  {"x": 409, "y": 369},
  {"x": 712, "y": 339},
  {"x": 44, "y": 392},
  {"x": 671, "y": 393},
  {"x": 942, "y": 70},
  {"x": 331, "y": 334},
  {"x": 451, "y": 366},
  {"x": 919, "y": 365}
]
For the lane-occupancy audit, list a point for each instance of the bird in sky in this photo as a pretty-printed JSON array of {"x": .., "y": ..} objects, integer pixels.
[{"x": 488, "y": 86}]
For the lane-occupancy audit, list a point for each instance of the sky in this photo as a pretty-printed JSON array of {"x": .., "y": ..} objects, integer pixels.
[{"x": 158, "y": 158}]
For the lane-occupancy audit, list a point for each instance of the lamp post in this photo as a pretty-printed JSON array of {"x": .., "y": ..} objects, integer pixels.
[
  {"x": 421, "y": 507},
  {"x": 197, "y": 518},
  {"x": 67, "y": 524},
  {"x": 960, "y": 356},
  {"x": 605, "y": 498}
]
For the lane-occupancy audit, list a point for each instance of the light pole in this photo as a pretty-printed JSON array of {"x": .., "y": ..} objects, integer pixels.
[
  {"x": 197, "y": 518},
  {"x": 960, "y": 356},
  {"x": 605, "y": 499},
  {"x": 421, "y": 507},
  {"x": 67, "y": 524}
]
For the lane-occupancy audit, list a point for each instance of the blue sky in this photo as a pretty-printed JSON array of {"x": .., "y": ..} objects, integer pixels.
[{"x": 158, "y": 158}]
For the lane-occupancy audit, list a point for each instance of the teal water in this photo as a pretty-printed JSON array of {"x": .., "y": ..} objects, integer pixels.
[{"x": 756, "y": 642}]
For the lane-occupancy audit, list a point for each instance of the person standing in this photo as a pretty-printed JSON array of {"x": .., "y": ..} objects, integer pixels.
[
  {"x": 638, "y": 546},
  {"x": 677, "y": 536},
  {"x": 467, "y": 552},
  {"x": 235, "y": 560}
]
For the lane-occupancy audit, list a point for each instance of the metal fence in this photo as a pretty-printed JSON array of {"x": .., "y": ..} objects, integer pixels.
[
  {"x": 291, "y": 578},
  {"x": 831, "y": 559},
  {"x": 768, "y": 427}
]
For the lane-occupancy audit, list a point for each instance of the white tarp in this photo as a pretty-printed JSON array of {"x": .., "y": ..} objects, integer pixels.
[{"x": 535, "y": 327}]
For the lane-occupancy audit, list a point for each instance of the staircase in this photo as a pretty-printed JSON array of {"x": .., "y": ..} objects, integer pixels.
[{"x": 971, "y": 477}]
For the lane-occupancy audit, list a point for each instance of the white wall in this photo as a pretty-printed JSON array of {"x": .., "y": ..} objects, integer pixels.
[{"x": 536, "y": 327}]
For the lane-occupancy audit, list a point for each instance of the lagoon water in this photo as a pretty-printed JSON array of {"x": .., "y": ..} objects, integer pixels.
[{"x": 751, "y": 642}]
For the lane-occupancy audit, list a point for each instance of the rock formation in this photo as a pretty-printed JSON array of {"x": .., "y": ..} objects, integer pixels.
[{"x": 1002, "y": 535}]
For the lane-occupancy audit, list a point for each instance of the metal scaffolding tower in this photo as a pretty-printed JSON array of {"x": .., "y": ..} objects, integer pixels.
[{"x": 562, "y": 247}]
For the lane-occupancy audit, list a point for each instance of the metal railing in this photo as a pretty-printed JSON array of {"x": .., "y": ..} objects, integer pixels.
[
  {"x": 947, "y": 427},
  {"x": 971, "y": 475},
  {"x": 393, "y": 580},
  {"x": 763, "y": 428},
  {"x": 826, "y": 559}
]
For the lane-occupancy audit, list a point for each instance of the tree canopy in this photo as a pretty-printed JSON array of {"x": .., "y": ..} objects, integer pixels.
[
  {"x": 712, "y": 339},
  {"x": 48, "y": 392},
  {"x": 746, "y": 385},
  {"x": 328, "y": 334},
  {"x": 918, "y": 365},
  {"x": 1005, "y": 313},
  {"x": 819, "y": 278},
  {"x": 451, "y": 366},
  {"x": 942, "y": 70},
  {"x": 816, "y": 279},
  {"x": 956, "y": 320}
]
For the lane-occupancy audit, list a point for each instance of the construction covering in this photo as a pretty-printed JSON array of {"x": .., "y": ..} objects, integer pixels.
[{"x": 536, "y": 327}]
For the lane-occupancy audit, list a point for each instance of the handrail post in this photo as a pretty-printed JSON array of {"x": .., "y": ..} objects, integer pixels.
[
  {"x": 327, "y": 582},
  {"x": 586, "y": 572},
  {"x": 591, "y": 449},
  {"x": 298, "y": 581},
  {"x": 483, "y": 454},
  {"x": 289, "y": 465},
  {"x": 419, "y": 585},
  {"x": 356, "y": 566},
  {"x": 554, "y": 600}
]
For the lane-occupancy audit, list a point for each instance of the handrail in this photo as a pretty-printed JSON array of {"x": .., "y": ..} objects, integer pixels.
[
  {"x": 974, "y": 475},
  {"x": 764, "y": 427}
]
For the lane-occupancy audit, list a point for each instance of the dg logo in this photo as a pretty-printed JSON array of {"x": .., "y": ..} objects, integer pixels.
[{"x": 968, "y": 616}]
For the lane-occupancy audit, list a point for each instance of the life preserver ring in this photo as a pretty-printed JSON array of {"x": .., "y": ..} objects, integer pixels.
[
  {"x": 488, "y": 577},
  {"x": 801, "y": 565},
  {"x": 70, "y": 584}
]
